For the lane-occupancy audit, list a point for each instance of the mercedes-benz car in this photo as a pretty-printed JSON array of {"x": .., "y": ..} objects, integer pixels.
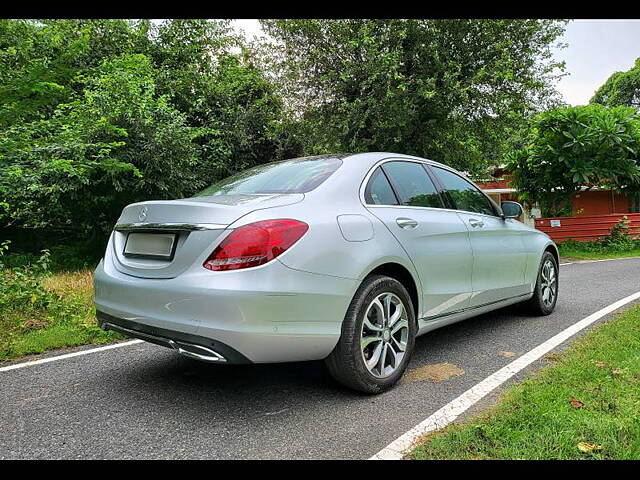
[{"x": 341, "y": 258}]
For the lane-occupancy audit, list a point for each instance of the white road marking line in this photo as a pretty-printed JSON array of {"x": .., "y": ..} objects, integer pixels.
[
  {"x": 452, "y": 410},
  {"x": 606, "y": 260},
  {"x": 601, "y": 260},
  {"x": 68, "y": 355}
]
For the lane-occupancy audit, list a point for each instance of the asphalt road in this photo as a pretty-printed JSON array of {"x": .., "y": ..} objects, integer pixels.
[{"x": 145, "y": 401}]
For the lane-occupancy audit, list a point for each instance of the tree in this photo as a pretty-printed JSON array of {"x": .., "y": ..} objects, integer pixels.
[
  {"x": 118, "y": 142},
  {"x": 226, "y": 95},
  {"x": 621, "y": 88},
  {"x": 96, "y": 114},
  {"x": 41, "y": 61},
  {"x": 568, "y": 149},
  {"x": 450, "y": 90}
]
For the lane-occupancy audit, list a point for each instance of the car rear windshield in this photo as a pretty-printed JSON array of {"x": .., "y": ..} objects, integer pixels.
[{"x": 299, "y": 175}]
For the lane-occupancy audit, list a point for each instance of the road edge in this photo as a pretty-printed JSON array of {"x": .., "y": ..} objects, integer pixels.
[{"x": 451, "y": 411}]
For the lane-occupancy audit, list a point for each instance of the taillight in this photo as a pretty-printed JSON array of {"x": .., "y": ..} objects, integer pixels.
[{"x": 255, "y": 244}]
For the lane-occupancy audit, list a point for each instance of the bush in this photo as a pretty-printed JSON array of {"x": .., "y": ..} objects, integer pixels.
[
  {"x": 40, "y": 311},
  {"x": 21, "y": 289},
  {"x": 619, "y": 239},
  {"x": 21, "y": 286},
  {"x": 61, "y": 258}
]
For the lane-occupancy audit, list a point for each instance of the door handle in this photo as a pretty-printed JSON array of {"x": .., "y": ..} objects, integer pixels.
[
  {"x": 476, "y": 223},
  {"x": 406, "y": 222}
]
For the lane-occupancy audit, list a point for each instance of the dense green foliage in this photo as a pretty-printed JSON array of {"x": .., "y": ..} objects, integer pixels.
[
  {"x": 621, "y": 88},
  {"x": 96, "y": 114},
  {"x": 568, "y": 149},
  {"x": 450, "y": 90}
]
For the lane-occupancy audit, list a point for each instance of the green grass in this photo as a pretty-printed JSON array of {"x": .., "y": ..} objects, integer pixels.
[
  {"x": 535, "y": 419},
  {"x": 66, "y": 319},
  {"x": 594, "y": 251},
  {"x": 579, "y": 254}
]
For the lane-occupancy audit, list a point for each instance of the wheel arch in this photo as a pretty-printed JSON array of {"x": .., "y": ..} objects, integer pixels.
[
  {"x": 551, "y": 247},
  {"x": 404, "y": 276}
]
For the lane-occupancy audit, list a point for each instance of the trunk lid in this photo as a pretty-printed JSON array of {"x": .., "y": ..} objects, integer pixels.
[{"x": 196, "y": 225}]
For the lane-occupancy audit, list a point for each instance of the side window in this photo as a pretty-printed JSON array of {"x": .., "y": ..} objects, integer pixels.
[
  {"x": 378, "y": 190},
  {"x": 464, "y": 194},
  {"x": 413, "y": 184}
]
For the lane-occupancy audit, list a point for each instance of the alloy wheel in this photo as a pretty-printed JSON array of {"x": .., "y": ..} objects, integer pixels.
[
  {"x": 384, "y": 335},
  {"x": 549, "y": 283}
]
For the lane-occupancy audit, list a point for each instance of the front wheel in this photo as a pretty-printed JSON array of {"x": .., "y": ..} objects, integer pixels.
[
  {"x": 545, "y": 294},
  {"x": 377, "y": 339}
]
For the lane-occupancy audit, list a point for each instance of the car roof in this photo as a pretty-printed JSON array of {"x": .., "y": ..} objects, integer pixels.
[
  {"x": 376, "y": 156},
  {"x": 370, "y": 157}
]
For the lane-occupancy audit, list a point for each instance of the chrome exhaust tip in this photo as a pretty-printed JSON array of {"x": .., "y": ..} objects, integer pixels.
[
  {"x": 197, "y": 352},
  {"x": 190, "y": 350}
]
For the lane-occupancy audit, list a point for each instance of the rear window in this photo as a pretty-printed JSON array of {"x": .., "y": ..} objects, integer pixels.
[{"x": 299, "y": 175}]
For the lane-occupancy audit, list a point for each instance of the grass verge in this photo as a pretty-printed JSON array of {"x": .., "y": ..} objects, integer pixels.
[
  {"x": 571, "y": 252},
  {"x": 586, "y": 404},
  {"x": 60, "y": 313}
]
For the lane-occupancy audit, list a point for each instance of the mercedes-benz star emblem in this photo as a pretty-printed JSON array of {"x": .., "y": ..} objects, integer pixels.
[{"x": 143, "y": 214}]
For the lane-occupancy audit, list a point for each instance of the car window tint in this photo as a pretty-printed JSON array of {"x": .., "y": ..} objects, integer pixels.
[
  {"x": 464, "y": 194},
  {"x": 378, "y": 191},
  {"x": 412, "y": 184}
]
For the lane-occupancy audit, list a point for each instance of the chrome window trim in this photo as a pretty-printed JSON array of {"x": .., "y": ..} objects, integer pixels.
[
  {"x": 427, "y": 162},
  {"x": 386, "y": 177},
  {"x": 491, "y": 202},
  {"x": 431, "y": 208},
  {"x": 363, "y": 184},
  {"x": 130, "y": 227}
]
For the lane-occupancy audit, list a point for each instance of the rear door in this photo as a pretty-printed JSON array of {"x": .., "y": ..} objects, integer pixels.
[
  {"x": 498, "y": 249},
  {"x": 403, "y": 195}
]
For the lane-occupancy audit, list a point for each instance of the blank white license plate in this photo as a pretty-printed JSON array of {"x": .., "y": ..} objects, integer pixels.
[{"x": 150, "y": 245}]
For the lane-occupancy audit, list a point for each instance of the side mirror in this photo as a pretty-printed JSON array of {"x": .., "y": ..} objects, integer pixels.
[{"x": 511, "y": 209}]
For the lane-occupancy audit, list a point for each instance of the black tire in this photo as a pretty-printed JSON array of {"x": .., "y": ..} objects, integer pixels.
[
  {"x": 537, "y": 304},
  {"x": 346, "y": 363}
]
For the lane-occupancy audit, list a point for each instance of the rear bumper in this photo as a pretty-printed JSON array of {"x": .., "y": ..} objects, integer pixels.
[
  {"x": 193, "y": 346},
  {"x": 270, "y": 313}
]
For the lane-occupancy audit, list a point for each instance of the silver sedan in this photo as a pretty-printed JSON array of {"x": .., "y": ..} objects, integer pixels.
[{"x": 345, "y": 258}]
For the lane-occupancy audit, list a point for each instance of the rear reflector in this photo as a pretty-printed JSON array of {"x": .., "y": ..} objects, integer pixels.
[{"x": 255, "y": 244}]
